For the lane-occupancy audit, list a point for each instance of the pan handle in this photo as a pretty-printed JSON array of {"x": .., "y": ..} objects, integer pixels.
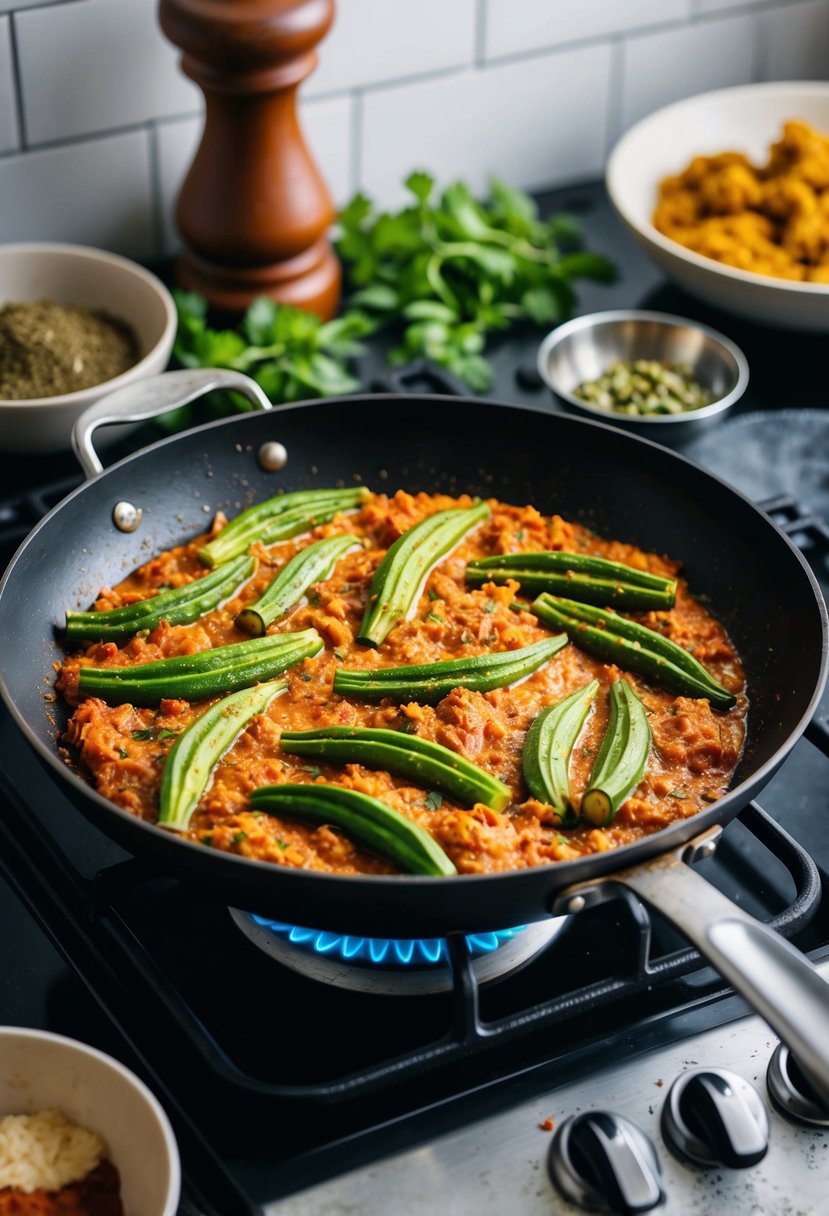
[
  {"x": 779, "y": 982},
  {"x": 155, "y": 395}
]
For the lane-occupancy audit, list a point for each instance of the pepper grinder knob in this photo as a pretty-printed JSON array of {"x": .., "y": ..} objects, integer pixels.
[
  {"x": 714, "y": 1117},
  {"x": 601, "y": 1161},
  {"x": 253, "y": 210}
]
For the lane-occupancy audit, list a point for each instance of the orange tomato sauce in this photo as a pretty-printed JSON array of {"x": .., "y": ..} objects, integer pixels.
[{"x": 694, "y": 754}]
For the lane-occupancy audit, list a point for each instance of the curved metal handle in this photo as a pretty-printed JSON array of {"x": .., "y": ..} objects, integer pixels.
[
  {"x": 156, "y": 395},
  {"x": 775, "y": 978}
]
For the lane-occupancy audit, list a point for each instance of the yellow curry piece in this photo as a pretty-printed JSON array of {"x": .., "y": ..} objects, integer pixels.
[{"x": 772, "y": 219}]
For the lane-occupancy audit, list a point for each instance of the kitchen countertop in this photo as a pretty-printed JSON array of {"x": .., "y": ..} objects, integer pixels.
[{"x": 787, "y": 369}]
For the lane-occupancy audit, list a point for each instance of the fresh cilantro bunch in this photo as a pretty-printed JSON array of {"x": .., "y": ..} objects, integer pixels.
[
  {"x": 453, "y": 269},
  {"x": 292, "y": 354}
]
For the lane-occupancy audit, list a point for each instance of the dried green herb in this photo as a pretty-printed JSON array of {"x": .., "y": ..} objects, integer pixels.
[{"x": 49, "y": 349}]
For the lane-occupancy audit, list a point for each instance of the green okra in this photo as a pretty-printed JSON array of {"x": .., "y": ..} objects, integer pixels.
[
  {"x": 428, "y": 763},
  {"x": 196, "y": 677},
  {"x": 179, "y": 606},
  {"x": 549, "y": 746},
  {"x": 579, "y": 576},
  {"x": 366, "y": 819},
  {"x": 280, "y": 518},
  {"x": 198, "y": 749},
  {"x": 398, "y": 580},
  {"x": 615, "y": 639},
  {"x": 622, "y": 759},
  {"x": 428, "y": 683},
  {"x": 309, "y": 566}
]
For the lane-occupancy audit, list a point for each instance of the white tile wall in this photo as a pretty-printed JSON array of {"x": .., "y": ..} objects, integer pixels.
[
  {"x": 529, "y": 25},
  {"x": 795, "y": 41},
  {"x": 667, "y": 66},
  {"x": 505, "y": 121},
  {"x": 95, "y": 65},
  {"x": 95, "y": 192},
  {"x": 97, "y": 124},
  {"x": 8, "y": 110},
  {"x": 378, "y": 40}
]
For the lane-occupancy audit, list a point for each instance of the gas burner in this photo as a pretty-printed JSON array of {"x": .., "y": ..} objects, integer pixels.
[{"x": 402, "y": 967}]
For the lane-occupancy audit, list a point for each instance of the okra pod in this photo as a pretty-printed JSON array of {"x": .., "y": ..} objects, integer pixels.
[
  {"x": 280, "y": 518},
  {"x": 622, "y": 759},
  {"x": 198, "y": 749},
  {"x": 208, "y": 673},
  {"x": 428, "y": 683},
  {"x": 398, "y": 580},
  {"x": 366, "y": 819},
  {"x": 633, "y": 646},
  {"x": 549, "y": 746},
  {"x": 579, "y": 576},
  {"x": 308, "y": 566},
  {"x": 179, "y": 606},
  {"x": 426, "y": 762}
]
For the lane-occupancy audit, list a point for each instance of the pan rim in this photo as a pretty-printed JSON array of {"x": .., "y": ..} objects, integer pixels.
[{"x": 673, "y": 835}]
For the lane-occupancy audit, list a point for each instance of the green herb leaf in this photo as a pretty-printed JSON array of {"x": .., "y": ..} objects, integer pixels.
[
  {"x": 313, "y": 770},
  {"x": 143, "y": 735},
  {"x": 434, "y": 801}
]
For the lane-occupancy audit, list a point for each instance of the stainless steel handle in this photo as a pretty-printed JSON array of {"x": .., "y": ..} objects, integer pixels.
[
  {"x": 775, "y": 978},
  {"x": 148, "y": 398}
]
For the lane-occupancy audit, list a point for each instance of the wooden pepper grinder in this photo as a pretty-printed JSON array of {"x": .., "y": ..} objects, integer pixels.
[{"x": 253, "y": 210}]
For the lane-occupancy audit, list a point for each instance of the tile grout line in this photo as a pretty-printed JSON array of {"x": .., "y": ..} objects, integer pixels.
[
  {"x": 155, "y": 186},
  {"x": 355, "y": 157},
  {"x": 17, "y": 79},
  {"x": 479, "y": 50}
]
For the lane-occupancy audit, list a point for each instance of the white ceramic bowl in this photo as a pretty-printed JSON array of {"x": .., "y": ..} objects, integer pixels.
[
  {"x": 746, "y": 119},
  {"x": 90, "y": 278},
  {"x": 40, "y": 1070}
]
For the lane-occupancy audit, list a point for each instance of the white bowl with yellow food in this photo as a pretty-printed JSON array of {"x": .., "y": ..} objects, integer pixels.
[
  {"x": 68, "y": 1110},
  {"x": 765, "y": 208}
]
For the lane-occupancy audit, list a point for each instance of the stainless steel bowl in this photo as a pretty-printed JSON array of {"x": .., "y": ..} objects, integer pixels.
[{"x": 583, "y": 349}]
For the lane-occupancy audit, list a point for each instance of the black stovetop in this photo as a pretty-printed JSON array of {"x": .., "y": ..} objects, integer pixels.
[{"x": 270, "y": 1087}]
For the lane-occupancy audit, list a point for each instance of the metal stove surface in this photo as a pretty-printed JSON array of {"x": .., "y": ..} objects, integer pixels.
[{"x": 499, "y": 1166}]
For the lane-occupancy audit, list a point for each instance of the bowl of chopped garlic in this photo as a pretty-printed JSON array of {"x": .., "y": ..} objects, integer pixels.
[
  {"x": 80, "y": 1133},
  {"x": 664, "y": 377},
  {"x": 728, "y": 192},
  {"x": 76, "y": 323}
]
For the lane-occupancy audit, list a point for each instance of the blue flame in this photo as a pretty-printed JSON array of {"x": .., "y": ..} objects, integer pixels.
[{"x": 381, "y": 951}]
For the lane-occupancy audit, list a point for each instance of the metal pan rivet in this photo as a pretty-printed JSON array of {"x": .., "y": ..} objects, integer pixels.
[
  {"x": 576, "y": 904},
  {"x": 126, "y": 517},
  {"x": 273, "y": 457}
]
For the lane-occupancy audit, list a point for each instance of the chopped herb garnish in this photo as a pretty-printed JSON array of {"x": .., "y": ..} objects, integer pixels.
[
  {"x": 561, "y": 839},
  {"x": 519, "y": 535},
  {"x": 313, "y": 598},
  {"x": 282, "y": 844},
  {"x": 677, "y": 793},
  {"x": 465, "y": 638},
  {"x": 143, "y": 735},
  {"x": 206, "y": 839},
  {"x": 587, "y": 752},
  {"x": 164, "y": 733},
  {"x": 313, "y": 770},
  {"x": 433, "y": 616},
  {"x": 124, "y": 755},
  {"x": 240, "y": 835},
  {"x": 306, "y": 676},
  {"x": 228, "y": 763},
  {"x": 408, "y": 727},
  {"x": 432, "y": 594},
  {"x": 339, "y": 654},
  {"x": 434, "y": 800},
  {"x": 489, "y": 606}
]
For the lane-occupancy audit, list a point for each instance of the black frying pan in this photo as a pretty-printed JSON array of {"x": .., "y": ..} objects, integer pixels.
[{"x": 617, "y": 484}]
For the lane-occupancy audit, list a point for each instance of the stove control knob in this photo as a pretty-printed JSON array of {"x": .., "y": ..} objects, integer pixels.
[
  {"x": 604, "y": 1162},
  {"x": 792, "y": 1092},
  {"x": 714, "y": 1117}
]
